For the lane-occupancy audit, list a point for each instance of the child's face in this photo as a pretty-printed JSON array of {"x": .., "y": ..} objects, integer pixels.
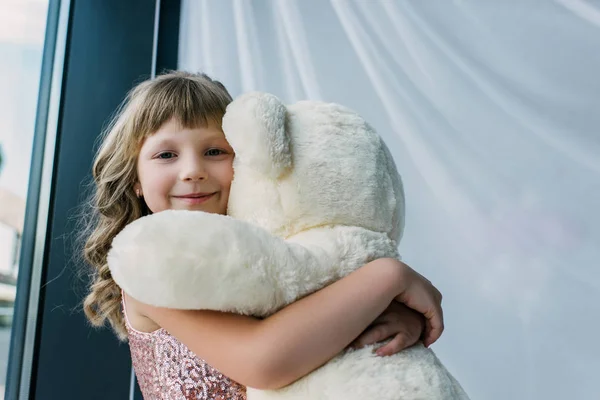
[{"x": 185, "y": 169}]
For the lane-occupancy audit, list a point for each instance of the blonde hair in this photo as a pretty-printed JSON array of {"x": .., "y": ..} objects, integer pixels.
[{"x": 194, "y": 100}]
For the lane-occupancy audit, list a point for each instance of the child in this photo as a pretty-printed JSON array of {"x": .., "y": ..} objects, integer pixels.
[{"x": 165, "y": 150}]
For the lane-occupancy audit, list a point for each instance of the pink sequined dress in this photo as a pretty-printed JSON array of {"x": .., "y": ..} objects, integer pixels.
[{"x": 167, "y": 370}]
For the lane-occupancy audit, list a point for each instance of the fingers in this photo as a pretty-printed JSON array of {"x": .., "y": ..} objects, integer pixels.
[
  {"x": 434, "y": 318},
  {"x": 434, "y": 326},
  {"x": 400, "y": 342},
  {"x": 423, "y": 297},
  {"x": 372, "y": 335}
]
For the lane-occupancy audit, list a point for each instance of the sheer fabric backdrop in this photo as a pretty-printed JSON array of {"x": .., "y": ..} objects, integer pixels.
[{"x": 492, "y": 112}]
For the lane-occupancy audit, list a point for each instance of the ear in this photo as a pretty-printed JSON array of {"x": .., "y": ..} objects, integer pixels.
[
  {"x": 254, "y": 125},
  {"x": 137, "y": 189}
]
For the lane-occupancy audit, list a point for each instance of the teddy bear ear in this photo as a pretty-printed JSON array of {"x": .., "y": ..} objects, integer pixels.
[{"x": 254, "y": 125}]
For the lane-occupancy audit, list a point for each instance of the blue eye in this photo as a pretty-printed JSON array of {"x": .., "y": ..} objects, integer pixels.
[
  {"x": 214, "y": 152},
  {"x": 166, "y": 155}
]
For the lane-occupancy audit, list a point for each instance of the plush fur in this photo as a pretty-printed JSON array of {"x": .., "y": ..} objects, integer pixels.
[{"x": 315, "y": 196}]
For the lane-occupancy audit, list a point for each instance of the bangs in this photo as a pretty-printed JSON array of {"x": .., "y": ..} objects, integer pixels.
[{"x": 195, "y": 101}]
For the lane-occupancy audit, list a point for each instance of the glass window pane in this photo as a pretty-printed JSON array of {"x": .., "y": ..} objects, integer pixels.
[{"x": 22, "y": 31}]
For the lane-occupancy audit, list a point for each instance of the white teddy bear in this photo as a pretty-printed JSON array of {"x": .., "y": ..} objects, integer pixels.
[{"x": 315, "y": 196}]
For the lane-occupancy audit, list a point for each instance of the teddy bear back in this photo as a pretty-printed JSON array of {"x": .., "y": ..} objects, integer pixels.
[{"x": 327, "y": 166}]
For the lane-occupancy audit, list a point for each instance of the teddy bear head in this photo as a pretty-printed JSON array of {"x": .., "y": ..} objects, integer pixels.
[{"x": 310, "y": 164}]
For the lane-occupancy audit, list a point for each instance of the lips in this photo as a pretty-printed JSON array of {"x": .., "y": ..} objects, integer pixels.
[
  {"x": 195, "y": 195},
  {"x": 195, "y": 198}
]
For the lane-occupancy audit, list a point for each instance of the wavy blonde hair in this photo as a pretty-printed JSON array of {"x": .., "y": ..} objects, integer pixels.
[{"x": 194, "y": 100}]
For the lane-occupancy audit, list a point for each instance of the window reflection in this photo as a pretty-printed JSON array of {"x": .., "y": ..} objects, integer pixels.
[{"x": 22, "y": 31}]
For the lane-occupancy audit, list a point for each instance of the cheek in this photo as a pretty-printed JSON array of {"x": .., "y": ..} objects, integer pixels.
[
  {"x": 156, "y": 196},
  {"x": 229, "y": 177},
  {"x": 159, "y": 187},
  {"x": 225, "y": 175},
  {"x": 155, "y": 185}
]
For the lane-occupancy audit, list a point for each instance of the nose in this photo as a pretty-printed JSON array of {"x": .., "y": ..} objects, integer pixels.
[{"x": 193, "y": 169}]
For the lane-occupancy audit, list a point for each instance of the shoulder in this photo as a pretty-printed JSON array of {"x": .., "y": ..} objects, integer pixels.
[{"x": 136, "y": 315}]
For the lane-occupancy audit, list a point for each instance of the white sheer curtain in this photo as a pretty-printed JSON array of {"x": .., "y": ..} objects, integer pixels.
[{"x": 492, "y": 112}]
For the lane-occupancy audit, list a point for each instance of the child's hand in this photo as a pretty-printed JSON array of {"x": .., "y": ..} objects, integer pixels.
[
  {"x": 404, "y": 324},
  {"x": 419, "y": 294}
]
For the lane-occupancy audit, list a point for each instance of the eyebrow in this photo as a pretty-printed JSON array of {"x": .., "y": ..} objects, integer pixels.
[{"x": 172, "y": 141}]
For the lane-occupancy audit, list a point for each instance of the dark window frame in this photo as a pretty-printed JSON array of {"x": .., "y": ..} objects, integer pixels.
[{"x": 108, "y": 46}]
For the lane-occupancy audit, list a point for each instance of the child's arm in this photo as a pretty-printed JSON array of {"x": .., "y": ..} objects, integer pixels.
[{"x": 278, "y": 350}]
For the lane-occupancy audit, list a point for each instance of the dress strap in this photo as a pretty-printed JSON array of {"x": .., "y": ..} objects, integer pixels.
[{"x": 128, "y": 324}]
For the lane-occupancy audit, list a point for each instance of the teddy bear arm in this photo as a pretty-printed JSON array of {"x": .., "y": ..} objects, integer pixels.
[{"x": 194, "y": 260}]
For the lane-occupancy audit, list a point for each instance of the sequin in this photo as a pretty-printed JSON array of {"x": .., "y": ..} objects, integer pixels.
[{"x": 167, "y": 370}]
